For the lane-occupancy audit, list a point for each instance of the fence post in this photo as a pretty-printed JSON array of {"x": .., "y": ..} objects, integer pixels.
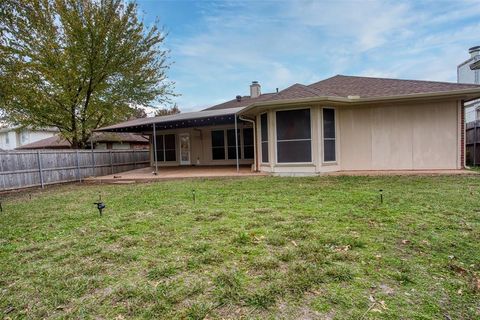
[
  {"x": 475, "y": 143},
  {"x": 134, "y": 160},
  {"x": 94, "y": 173},
  {"x": 4, "y": 184},
  {"x": 111, "y": 161},
  {"x": 39, "y": 159},
  {"x": 79, "y": 176}
]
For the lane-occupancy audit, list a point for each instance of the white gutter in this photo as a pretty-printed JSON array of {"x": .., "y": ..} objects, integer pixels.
[{"x": 359, "y": 100}]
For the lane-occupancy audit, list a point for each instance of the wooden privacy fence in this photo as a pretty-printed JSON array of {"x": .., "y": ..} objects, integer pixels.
[
  {"x": 21, "y": 169},
  {"x": 472, "y": 143}
]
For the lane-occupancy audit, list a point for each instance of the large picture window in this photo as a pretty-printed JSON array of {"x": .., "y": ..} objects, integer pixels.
[
  {"x": 231, "y": 144},
  {"x": 248, "y": 149},
  {"x": 264, "y": 136},
  {"x": 223, "y": 144},
  {"x": 294, "y": 142},
  {"x": 329, "y": 148},
  {"x": 166, "y": 148},
  {"x": 218, "y": 145}
]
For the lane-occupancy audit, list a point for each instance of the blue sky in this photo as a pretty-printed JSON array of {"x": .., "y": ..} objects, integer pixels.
[{"x": 219, "y": 47}]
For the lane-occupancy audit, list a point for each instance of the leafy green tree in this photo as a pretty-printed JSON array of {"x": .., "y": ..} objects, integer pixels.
[
  {"x": 167, "y": 111},
  {"x": 78, "y": 64}
]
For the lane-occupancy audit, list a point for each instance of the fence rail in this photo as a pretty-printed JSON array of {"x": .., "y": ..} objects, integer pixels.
[{"x": 22, "y": 169}]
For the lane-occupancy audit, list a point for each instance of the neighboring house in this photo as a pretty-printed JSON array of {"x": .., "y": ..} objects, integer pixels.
[
  {"x": 469, "y": 72},
  {"x": 14, "y": 137},
  {"x": 341, "y": 123},
  {"x": 101, "y": 140}
]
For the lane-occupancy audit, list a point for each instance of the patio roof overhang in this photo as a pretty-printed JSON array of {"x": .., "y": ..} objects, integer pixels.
[{"x": 176, "y": 121}]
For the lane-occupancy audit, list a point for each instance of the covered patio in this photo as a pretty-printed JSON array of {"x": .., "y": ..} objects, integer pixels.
[{"x": 168, "y": 173}]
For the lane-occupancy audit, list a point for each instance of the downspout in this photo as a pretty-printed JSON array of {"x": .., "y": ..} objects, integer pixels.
[{"x": 254, "y": 140}]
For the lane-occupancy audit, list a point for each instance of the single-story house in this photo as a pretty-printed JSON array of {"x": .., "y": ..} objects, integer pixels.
[
  {"x": 101, "y": 141},
  {"x": 340, "y": 123}
]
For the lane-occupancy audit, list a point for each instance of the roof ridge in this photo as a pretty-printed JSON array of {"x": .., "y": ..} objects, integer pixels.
[{"x": 392, "y": 79}]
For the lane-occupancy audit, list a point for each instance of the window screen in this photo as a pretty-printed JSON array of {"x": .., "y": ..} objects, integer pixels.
[
  {"x": 294, "y": 142},
  {"x": 231, "y": 144},
  {"x": 248, "y": 143},
  {"x": 264, "y": 138},
  {"x": 329, "y": 148},
  {"x": 170, "y": 152},
  {"x": 218, "y": 145},
  {"x": 166, "y": 148}
]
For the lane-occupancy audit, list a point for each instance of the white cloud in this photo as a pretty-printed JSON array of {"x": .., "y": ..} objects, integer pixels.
[{"x": 281, "y": 43}]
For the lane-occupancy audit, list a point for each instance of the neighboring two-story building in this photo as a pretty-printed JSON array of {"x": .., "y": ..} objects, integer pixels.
[
  {"x": 469, "y": 72},
  {"x": 12, "y": 137}
]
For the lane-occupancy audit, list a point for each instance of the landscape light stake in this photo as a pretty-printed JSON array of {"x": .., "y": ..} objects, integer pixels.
[
  {"x": 193, "y": 195},
  {"x": 100, "y": 204},
  {"x": 381, "y": 196},
  {"x": 1, "y": 208}
]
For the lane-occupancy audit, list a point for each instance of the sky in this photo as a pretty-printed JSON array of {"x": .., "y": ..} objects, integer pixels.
[{"x": 217, "y": 48}]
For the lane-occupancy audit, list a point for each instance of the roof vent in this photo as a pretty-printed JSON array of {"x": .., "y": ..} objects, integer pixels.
[
  {"x": 474, "y": 51},
  {"x": 239, "y": 98}
]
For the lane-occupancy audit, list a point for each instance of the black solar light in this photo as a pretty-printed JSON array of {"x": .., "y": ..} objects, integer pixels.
[
  {"x": 1, "y": 208},
  {"x": 100, "y": 204},
  {"x": 193, "y": 195},
  {"x": 381, "y": 195}
]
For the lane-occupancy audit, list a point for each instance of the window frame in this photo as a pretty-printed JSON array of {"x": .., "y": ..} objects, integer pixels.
[
  {"x": 226, "y": 146},
  {"x": 243, "y": 145},
  {"x": 312, "y": 161},
  {"x": 264, "y": 141},
  {"x": 329, "y": 139},
  {"x": 165, "y": 149}
]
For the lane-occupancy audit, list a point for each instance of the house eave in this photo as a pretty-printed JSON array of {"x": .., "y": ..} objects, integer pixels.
[{"x": 464, "y": 94}]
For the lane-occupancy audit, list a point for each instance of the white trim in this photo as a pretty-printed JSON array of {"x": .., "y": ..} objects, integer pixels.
[
  {"x": 322, "y": 141},
  {"x": 261, "y": 141},
  {"x": 311, "y": 137}
]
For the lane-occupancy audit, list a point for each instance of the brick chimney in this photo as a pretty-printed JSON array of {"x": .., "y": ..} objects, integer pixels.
[{"x": 255, "y": 90}]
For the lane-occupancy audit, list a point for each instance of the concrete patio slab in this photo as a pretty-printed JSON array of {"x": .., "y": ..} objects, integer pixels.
[{"x": 166, "y": 173}]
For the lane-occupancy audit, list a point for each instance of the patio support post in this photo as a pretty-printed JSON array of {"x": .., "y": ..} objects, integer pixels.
[
  {"x": 236, "y": 143},
  {"x": 155, "y": 148}
]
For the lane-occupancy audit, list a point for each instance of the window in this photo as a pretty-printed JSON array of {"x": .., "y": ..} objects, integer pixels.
[
  {"x": 248, "y": 143},
  {"x": 264, "y": 138},
  {"x": 24, "y": 136},
  {"x": 218, "y": 145},
  {"x": 223, "y": 144},
  {"x": 7, "y": 138},
  {"x": 231, "y": 144},
  {"x": 329, "y": 148},
  {"x": 166, "y": 148},
  {"x": 294, "y": 143}
]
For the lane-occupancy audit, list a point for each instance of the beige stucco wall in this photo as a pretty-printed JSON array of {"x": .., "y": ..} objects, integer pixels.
[
  {"x": 200, "y": 146},
  {"x": 395, "y": 136},
  {"x": 400, "y": 136}
]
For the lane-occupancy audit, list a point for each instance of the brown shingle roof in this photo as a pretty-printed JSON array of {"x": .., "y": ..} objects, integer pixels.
[
  {"x": 365, "y": 87},
  {"x": 344, "y": 86},
  {"x": 244, "y": 102},
  {"x": 57, "y": 142}
]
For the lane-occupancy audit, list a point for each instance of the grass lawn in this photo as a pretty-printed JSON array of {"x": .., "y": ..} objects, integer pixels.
[{"x": 292, "y": 248}]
